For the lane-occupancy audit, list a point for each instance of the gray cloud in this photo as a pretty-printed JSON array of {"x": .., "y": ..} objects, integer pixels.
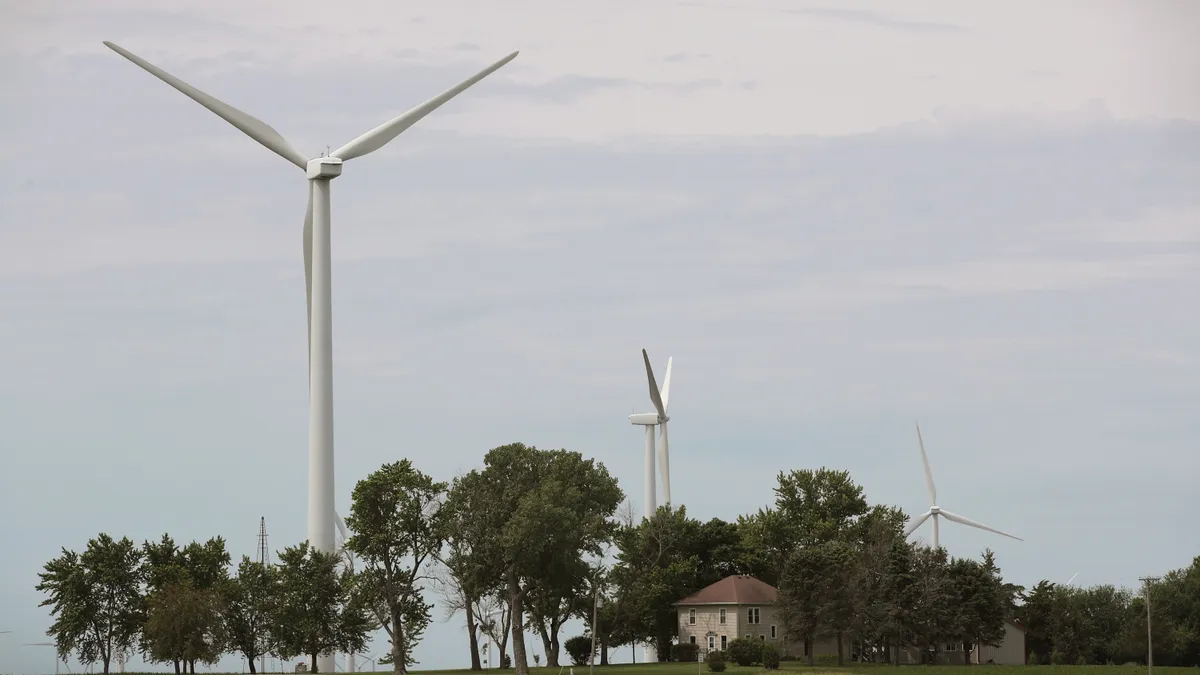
[
  {"x": 1014, "y": 283},
  {"x": 879, "y": 19}
]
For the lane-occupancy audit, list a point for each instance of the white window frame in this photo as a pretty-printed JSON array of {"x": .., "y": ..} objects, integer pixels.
[
  {"x": 712, "y": 642},
  {"x": 774, "y": 635},
  {"x": 724, "y": 642},
  {"x": 692, "y": 639},
  {"x": 691, "y": 617},
  {"x": 723, "y": 615},
  {"x": 753, "y": 616}
]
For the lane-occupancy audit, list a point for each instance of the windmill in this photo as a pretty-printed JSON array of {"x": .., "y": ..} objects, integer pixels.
[
  {"x": 319, "y": 172},
  {"x": 56, "y": 659},
  {"x": 650, "y": 420},
  {"x": 935, "y": 511}
]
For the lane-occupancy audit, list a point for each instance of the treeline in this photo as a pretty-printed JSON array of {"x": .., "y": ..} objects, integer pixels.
[
  {"x": 534, "y": 539},
  {"x": 1106, "y": 624}
]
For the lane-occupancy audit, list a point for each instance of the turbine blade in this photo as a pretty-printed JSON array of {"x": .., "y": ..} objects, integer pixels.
[
  {"x": 970, "y": 523},
  {"x": 920, "y": 520},
  {"x": 308, "y": 214},
  {"x": 666, "y": 388},
  {"x": 341, "y": 526},
  {"x": 654, "y": 396},
  {"x": 1072, "y": 578},
  {"x": 928, "y": 472},
  {"x": 384, "y": 133},
  {"x": 248, "y": 124},
  {"x": 664, "y": 463}
]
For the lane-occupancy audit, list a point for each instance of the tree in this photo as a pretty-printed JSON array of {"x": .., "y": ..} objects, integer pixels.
[
  {"x": 526, "y": 507},
  {"x": 932, "y": 620},
  {"x": 246, "y": 608},
  {"x": 462, "y": 581},
  {"x": 95, "y": 599},
  {"x": 398, "y": 525},
  {"x": 558, "y": 596},
  {"x": 316, "y": 610},
  {"x": 203, "y": 568},
  {"x": 183, "y": 624},
  {"x": 978, "y": 602}
]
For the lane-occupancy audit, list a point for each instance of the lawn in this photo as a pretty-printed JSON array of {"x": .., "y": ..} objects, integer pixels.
[{"x": 872, "y": 668}]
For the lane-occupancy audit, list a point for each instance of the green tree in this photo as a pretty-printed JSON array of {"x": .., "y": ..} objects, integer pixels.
[
  {"x": 246, "y": 609},
  {"x": 932, "y": 621},
  {"x": 527, "y": 506},
  {"x": 183, "y": 624},
  {"x": 95, "y": 599},
  {"x": 398, "y": 526},
  {"x": 316, "y": 610},
  {"x": 463, "y": 582},
  {"x": 557, "y": 597},
  {"x": 978, "y": 603}
]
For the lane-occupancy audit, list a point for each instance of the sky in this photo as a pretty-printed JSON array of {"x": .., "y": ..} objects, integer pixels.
[{"x": 839, "y": 219}]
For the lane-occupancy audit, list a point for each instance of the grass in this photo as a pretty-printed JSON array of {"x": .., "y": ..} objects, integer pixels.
[{"x": 870, "y": 668}]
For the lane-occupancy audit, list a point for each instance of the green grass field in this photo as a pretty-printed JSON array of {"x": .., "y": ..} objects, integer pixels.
[{"x": 872, "y": 668}]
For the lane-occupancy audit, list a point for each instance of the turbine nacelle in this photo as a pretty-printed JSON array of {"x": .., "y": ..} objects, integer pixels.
[
  {"x": 647, "y": 419},
  {"x": 324, "y": 168}
]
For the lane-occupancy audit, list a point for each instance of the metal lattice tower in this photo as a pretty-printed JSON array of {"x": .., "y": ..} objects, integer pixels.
[{"x": 264, "y": 555}]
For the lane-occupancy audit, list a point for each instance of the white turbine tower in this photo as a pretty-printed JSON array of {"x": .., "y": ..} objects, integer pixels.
[
  {"x": 650, "y": 420},
  {"x": 935, "y": 511},
  {"x": 317, "y": 263}
]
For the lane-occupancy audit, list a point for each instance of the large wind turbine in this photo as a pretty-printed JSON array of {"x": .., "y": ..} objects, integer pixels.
[
  {"x": 319, "y": 172},
  {"x": 650, "y": 420},
  {"x": 935, "y": 511}
]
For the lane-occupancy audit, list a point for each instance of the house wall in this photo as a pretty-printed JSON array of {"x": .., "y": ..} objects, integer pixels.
[
  {"x": 737, "y": 625},
  {"x": 1010, "y": 652}
]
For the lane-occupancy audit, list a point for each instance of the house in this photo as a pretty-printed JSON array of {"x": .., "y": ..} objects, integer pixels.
[
  {"x": 738, "y": 606},
  {"x": 1010, "y": 651}
]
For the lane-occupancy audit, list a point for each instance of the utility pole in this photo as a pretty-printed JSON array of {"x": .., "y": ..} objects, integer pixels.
[{"x": 1149, "y": 634}]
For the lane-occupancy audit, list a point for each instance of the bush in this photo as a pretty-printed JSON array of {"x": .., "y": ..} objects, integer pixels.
[
  {"x": 579, "y": 648},
  {"x": 715, "y": 661},
  {"x": 1057, "y": 658},
  {"x": 745, "y": 651},
  {"x": 506, "y": 661},
  {"x": 770, "y": 656},
  {"x": 1081, "y": 661},
  {"x": 1032, "y": 660},
  {"x": 685, "y": 651}
]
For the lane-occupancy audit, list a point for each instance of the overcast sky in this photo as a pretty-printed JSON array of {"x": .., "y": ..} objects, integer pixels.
[{"x": 838, "y": 221}]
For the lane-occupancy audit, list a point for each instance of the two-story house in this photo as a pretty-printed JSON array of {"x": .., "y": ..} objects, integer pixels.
[{"x": 737, "y": 606}]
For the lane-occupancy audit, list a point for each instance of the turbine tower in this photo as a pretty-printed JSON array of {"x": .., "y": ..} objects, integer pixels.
[
  {"x": 650, "y": 420},
  {"x": 935, "y": 511},
  {"x": 317, "y": 263}
]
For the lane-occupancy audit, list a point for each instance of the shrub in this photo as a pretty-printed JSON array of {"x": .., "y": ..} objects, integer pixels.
[
  {"x": 1032, "y": 660},
  {"x": 715, "y": 661},
  {"x": 579, "y": 648},
  {"x": 1081, "y": 661},
  {"x": 1057, "y": 658},
  {"x": 770, "y": 656},
  {"x": 506, "y": 661},
  {"x": 745, "y": 652},
  {"x": 685, "y": 651}
]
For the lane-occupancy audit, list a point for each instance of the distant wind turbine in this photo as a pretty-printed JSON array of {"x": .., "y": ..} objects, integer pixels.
[
  {"x": 935, "y": 511},
  {"x": 1072, "y": 579},
  {"x": 650, "y": 420}
]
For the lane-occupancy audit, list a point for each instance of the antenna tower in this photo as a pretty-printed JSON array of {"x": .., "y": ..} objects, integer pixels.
[{"x": 264, "y": 555}]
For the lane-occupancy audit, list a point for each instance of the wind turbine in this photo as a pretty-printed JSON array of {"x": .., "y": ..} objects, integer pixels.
[
  {"x": 650, "y": 420},
  {"x": 348, "y": 562},
  {"x": 935, "y": 511},
  {"x": 56, "y": 659},
  {"x": 317, "y": 266}
]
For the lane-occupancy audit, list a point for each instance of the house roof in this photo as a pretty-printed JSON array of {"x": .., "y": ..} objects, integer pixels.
[
  {"x": 734, "y": 590},
  {"x": 1018, "y": 625}
]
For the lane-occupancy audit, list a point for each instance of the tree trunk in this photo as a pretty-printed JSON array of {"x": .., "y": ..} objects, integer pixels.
[
  {"x": 809, "y": 648},
  {"x": 516, "y": 614},
  {"x": 839, "y": 643},
  {"x": 474, "y": 638},
  {"x": 251, "y": 662},
  {"x": 398, "y": 656},
  {"x": 604, "y": 651},
  {"x": 176, "y": 666}
]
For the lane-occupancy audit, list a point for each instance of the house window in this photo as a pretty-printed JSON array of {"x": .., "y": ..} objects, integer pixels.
[
  {"x": 691, "y": 617},
  {"x": 712, "y": 642},
  {"x": 762, "y": 638},
  {"x": 722, "y": 616},
  {"x": 773, "y": 633},
  {"x": 724, "y": 642},
  {"x": 952, "y": 647},
  {"x": 752, "y": 615},
  {"x": 692, "y": 639}
]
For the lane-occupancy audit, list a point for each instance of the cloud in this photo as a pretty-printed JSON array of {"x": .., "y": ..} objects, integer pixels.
[{"x": 881, "y": 20}]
